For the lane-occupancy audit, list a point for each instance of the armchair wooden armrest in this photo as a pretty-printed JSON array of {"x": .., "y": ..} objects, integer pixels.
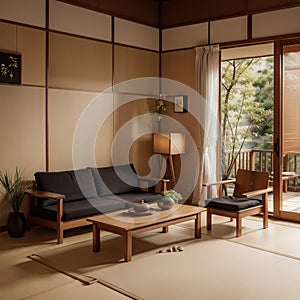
[
  {"x": 220, "y": 183},
  {"x": 207, "y": 184},
  {"x": 257, "y": 192}
]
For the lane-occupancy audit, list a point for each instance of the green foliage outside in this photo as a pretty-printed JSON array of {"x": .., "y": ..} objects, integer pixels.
[{"x": 247, "y": 107}]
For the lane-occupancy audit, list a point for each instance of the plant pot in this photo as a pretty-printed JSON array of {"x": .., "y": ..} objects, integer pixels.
[
  {"x": 16, "y": 224},
  {"x": 165, "y": 202}
]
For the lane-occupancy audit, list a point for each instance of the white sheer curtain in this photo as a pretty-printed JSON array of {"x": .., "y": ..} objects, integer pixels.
[{"x": 207, "y": 84}]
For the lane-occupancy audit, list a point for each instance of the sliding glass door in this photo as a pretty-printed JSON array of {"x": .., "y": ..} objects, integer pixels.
[{"x": 287, "y": 132}]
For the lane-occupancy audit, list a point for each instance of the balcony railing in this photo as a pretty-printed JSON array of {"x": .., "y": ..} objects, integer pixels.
[{"x": 263, "y": 160}]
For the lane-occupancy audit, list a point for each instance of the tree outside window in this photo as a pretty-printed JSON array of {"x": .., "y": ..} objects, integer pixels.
[{"x": 247, "y": 108}]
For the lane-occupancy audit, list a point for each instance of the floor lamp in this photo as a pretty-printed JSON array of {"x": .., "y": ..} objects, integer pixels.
[{"x": 169, "y": 144}]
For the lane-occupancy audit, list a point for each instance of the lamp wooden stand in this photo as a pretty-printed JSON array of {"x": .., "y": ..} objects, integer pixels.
[{"x": 169, "y": 144}]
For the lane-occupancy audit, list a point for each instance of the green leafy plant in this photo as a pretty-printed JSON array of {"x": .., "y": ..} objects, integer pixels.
[
  {"x": 177, "y": 197},
  {"x": 15, "y": 188}
]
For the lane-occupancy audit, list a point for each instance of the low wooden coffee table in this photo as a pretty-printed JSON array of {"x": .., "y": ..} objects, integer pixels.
[{"x": 126, "y": 224}]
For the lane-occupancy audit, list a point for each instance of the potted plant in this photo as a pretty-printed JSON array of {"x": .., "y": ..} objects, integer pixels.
[
  {"x": 168, "y": 199},
  {"x": 14, "y": 193},
  {"x": 177, "y": 197}
]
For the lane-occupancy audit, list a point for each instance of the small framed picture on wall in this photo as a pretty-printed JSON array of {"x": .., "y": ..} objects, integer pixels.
[
  {"x": 10, "y": 68},
  {"x": 180, "y": 104}
]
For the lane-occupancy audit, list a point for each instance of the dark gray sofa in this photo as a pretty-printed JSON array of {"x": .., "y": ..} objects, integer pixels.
[{"x": 64, "y": 200}]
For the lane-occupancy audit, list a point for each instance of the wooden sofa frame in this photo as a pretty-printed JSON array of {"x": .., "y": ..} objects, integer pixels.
[{"x": 59, "y": 225}]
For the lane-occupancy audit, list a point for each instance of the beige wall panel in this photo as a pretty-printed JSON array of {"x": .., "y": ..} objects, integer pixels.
[
  {"x": 73, "y": 19},
  {"x": 248, "y": 51},
  {"x": 130, "y": 133},
  {"x": 131, "y": 63},
  {"x": 30, "y": 12},
  {"x": 22, "y": 119},
  {"x": 185, "y": 36},
  {"x": 33, "y": 58},
  {"x": 79, "y": 64},
  {"x": 276, "y": 23},
  {"x": 134, "y": 34},
  {"x": 22, "y": 135},
  {"x": 228, "y": 30},
  {"x": 180, "y": 66},
  {"x": 8, "y": 37},
  {"x": 65, "y": 110}
]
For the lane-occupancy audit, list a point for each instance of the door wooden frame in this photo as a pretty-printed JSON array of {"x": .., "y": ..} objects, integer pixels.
[{"x": 278, "y": 129}]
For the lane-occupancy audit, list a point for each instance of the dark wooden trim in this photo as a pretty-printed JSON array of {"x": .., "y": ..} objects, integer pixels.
[
  {"x": 204, "y": 20},
  {"x": 113, "y": 52},
  {"x": 3, "y": 228},
  {"x": 249, "y": 27},
  {"x": 79, "y": 36},
  {"x": 136, "y": 47},
  {"x": 22, "y": 24},
  {"x": 277, "y": 126},
  {"x": 47, "y": 158},
  {"x": 242, "y": 43}
]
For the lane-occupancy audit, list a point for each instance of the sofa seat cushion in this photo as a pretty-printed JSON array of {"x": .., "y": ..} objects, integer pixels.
[
  {"x": 75, "y": 185},
  {"x": 81, "y": 208},
  {"x": 136, "y": 196},
  {"x": 115, "y": 180},
  {"x": 233, "y": 203}
]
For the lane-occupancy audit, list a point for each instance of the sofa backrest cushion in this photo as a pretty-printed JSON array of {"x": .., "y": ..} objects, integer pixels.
[
  {"x": 115, "y": 180},
  {"x": 75, "y": 185}
]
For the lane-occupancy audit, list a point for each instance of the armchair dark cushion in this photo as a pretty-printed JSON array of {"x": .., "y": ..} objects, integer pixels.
[{"x": 233, "y": 203}]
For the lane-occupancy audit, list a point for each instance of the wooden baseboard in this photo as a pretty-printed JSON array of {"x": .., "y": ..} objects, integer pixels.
[{"x": 3, "y": 228}]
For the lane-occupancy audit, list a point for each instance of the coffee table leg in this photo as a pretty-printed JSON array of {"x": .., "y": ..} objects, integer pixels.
[
  {"x": 198, "y": 226},
  {"x": 165, "y": 229},
  {"x": 128, "y": 245},
  {"x": 96, "y": 237}
]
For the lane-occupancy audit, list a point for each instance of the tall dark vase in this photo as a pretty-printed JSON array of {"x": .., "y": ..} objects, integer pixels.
[{"x": 16, "y": 224}]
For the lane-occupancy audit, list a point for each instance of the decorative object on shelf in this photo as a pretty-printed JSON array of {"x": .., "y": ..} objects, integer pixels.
[
  {"x": 15, "y": 191},
  {"x": 160, "y": 104},
  {"x": 177, "y": 197},
  {"x": 180, "y": 104},
  {"x": 169, "y": 144},
  {"x": 142, "y": 206},
  {"x": 160, "y": 108},
  {"x": 165, "y": 202},
  {"x": 10, "y": 68}
]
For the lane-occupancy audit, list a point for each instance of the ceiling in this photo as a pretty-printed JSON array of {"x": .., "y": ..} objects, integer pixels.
[{"x": 172, "y": 13}]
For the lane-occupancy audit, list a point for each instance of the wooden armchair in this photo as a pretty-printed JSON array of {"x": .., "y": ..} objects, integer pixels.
[{"x": 244, "y": 202}]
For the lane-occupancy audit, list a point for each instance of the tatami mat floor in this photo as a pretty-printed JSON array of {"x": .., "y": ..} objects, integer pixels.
[{"x": 262, "y": 264}]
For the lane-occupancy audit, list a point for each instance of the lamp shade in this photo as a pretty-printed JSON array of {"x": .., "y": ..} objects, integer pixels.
[{"x": 169, "y": 143}]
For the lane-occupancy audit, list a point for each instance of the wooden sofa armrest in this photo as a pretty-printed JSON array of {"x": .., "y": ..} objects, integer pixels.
[
  {"x": 149, "y": 179},
  {"x": 43, "y": 194},
  {"x": 59, "y": 208}
]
